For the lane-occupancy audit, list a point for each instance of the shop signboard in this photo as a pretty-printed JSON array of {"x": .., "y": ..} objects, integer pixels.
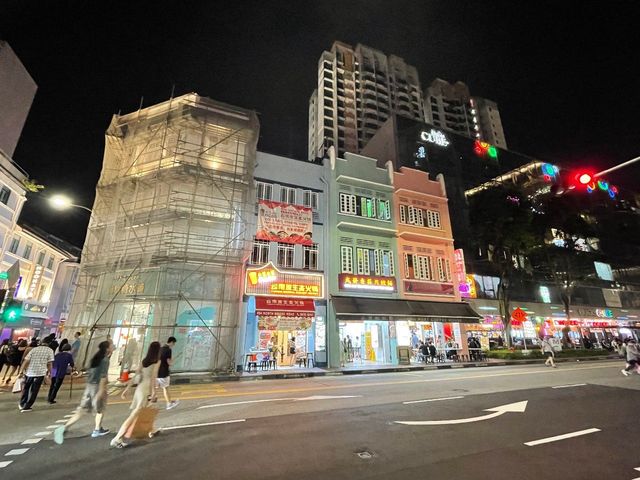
[
  {"x": 270, "y": 281},
  {"x": 283, "y": 222},
  {"x": 460, "y": 273},
  {"x": 529, "y": 329},
  {"x": 427, "y": 288},
  {"x": 472, "y": 286},
  {"x": 611, "y": 297},
  {"x": 349, "y": 281}
]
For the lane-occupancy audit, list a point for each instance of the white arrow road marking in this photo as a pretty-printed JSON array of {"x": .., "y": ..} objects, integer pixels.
[
  {"x": 292, "y": 399},
  {"x": 637, "y": 469},
  {"x": 533, "y": 443},
  {"x": 432, "y": 400},
  {"x": 570, "y": 386},
  {"x": 5, "y": 464},
  {"x": 178, "y": 427},
  {"x": 497, "y": 411}
]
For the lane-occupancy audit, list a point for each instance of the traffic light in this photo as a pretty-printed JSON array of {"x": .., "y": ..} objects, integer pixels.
[{"x": 12, "y": 311}]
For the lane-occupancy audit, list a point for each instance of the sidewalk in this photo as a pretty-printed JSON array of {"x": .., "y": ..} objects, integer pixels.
[{"x": 195, "y": 378}]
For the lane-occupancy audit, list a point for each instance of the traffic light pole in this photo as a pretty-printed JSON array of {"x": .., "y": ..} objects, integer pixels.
[{"x": 617, "y": 167}]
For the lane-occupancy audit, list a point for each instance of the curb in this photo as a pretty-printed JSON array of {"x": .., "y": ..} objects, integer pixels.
[{"x": 200, "y": 379}]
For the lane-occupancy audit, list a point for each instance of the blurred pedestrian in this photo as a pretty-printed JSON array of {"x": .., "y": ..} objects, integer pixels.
[
  {"x": 62, "y": 363},
  {"x": 14, "y": 359},
  {"x": 75, "y": 346},
  {"x": 633, "y": 355},
  {"x": 36, "y": 366},
  {"x": 145, "y": 392},
  {"x": 94, "y": 398},
  {"x": 164, "y": 380},
  {"x": 64, "y": 342},
  {"x": 4, "y": 353},
  {"x": 547, "y": 350}
]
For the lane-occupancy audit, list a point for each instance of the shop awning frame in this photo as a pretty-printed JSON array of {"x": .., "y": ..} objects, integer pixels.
[{"x": 452, "y": 312}]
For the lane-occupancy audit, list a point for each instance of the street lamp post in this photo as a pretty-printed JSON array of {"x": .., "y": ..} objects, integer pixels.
[{"x": 62, "y": 202}]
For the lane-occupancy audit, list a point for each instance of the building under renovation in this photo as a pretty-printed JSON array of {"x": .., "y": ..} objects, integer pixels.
[{"x": 169, "y": 233}]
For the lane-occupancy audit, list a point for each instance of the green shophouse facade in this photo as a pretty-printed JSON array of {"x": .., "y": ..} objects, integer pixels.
[{"x": 362, "y": 260}]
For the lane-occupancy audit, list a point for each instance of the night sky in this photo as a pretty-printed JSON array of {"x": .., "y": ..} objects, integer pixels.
[{"x": 563, "y": 73}]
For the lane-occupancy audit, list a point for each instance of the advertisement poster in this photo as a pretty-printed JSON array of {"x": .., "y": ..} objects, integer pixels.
[{"x": 282, "y": 222}]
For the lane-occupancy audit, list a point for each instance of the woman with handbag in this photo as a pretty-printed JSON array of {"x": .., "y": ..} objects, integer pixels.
[
  {"x": 14, "y": 357},
  {"x": 145, "y": 392}
]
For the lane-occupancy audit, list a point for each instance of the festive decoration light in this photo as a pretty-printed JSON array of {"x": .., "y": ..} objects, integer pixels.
[{"x": 483, "y": 149}]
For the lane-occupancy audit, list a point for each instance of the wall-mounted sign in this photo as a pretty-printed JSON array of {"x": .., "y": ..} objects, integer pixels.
[
  {"x": 283, "y": 222},
  {"x": 519, "y": 315},
  {"x": 35, "y": 281},
  {"x": 545, "y": 294},
  {"x": 435, "y": 136},
  {"x": 460, "y": 273},
  {"x": 268, "y": 280},
  {"x": 483, "y": 149},
  {"x": 363, "y": 283},
  {"x": 30, "y": 307},
  {"x": 427, "y": 288},
  {"x": 604, "y": 313},
  {"x": 472, "y": 286}
]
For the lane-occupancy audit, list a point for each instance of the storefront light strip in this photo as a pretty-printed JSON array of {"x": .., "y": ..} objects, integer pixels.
[{"x": 370, "y": 287}]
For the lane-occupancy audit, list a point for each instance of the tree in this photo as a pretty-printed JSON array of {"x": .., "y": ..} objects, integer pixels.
[{"x": 502, "y": 223}]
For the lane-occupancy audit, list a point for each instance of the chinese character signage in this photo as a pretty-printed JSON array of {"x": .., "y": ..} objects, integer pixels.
[
  {"x": 284, "y": 313},
  {"x": 363, "y": 283},
  {"x": 282, "y": 222},
  {"x": 460, "y": 274},
  {"x": 270, "y": 281}
]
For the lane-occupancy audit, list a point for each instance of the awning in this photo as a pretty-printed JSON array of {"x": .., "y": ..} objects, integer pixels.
[
  {"x": 354, "y": 307},
  {"x": 285, "y": 307}
]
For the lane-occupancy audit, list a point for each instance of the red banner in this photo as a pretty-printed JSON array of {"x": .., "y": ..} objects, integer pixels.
[{"x": 283, "y": 222}]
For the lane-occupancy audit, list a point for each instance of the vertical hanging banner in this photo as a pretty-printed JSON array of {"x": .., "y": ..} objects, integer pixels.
[{"x": 283, "y": 222}]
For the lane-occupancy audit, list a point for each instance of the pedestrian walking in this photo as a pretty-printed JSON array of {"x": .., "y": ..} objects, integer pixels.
[
  {"x": 163, "y": 380},
  {"x": 62, "y": 363},
  {"x": 94, "y": 398},
  {"x": 4, "y": 353},
  {"x": 36, "y": 366},
  {"x": 75, "y": 346},
  {"x": 547, "y": 350},
  {"x": 64, "y": 342},
  {"x": 53, "y": 343},
  {"x": 14, "y": 359},
  {"x": 633, "y": 354},
  {"x": 145, "y": 392}
]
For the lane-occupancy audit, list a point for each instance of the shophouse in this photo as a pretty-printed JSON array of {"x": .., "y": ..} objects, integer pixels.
[
  {"x": 427, "y": 265},
  {"x": 284, "y": 305}
]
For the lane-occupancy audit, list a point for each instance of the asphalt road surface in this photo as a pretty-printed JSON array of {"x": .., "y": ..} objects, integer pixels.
[{"x": 527, "y": 422}]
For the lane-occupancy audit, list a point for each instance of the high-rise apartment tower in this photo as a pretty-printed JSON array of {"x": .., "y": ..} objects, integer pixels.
[
  {"x": 358, "y": 88},
  {"x": 451, "y": 107}
]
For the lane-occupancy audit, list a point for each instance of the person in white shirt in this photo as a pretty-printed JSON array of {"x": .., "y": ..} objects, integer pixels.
[
  {"x": 547, "y": 350},
  {"x": 36, "y": 365}
]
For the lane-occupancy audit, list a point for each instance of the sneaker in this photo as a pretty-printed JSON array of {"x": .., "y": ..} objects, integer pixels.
[
  {"x": 29, "y": 409},
  {"x": 58, "y": 435},
  {"x": 52, "y": 402},
  {"x": 99, "y": 433},
  {"x": 173, "y": 404},
  {"x": 117, "y": 444},
  {"x": 625, "y": 373}
]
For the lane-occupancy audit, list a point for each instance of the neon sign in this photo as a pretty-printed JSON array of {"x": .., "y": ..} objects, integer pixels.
[
  {"x": 483, "y": 149},
  {"x": 435, "y": 136},
  {"x": 268, "y": 280},
  {"x": 549, "y": 172},
  {"x": 348, "y": 281}
]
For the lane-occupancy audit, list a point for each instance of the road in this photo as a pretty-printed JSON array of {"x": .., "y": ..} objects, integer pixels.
[{"x": 579, "y": 421}]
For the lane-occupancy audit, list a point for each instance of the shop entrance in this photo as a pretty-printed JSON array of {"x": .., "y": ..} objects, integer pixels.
[
  {"x": 288, "y": 347},
  {"x": 365, "y": 342}
]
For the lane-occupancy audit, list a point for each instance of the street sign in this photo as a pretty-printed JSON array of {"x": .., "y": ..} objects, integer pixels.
[{"x": 519, "y": 315}]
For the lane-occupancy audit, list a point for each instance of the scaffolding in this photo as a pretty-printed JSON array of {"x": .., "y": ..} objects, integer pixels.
[{"x": 169, "y": 234}]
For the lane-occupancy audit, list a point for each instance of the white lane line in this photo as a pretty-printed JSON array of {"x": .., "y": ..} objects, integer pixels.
[
  {"x": 432, "y": 400},
  {"x": 570, "y": 386},
  {"x": 533, "y": 443},
  {"x": 5, "y": 464},
  {"x": 42, "y": 434},
  {"x": 52, "y": 427},
  {"x": 61, "y": 421},
  {"x": 68, "y": 416},
  {"x": 16, "y": 451},
  {"x": 637, "y": 469},
  {"x": 245, "y": 402},
  {"x": 31, "y": 441},
  {"x": 178, "y": 427}
]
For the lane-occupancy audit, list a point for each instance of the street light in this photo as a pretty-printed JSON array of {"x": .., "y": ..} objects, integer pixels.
[{"x": 62, "y": 202}]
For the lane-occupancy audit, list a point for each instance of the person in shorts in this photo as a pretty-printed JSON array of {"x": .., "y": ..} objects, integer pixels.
[
  {"x": 547, "y": 350},
  {"x": 94, "y": 398},
  {"x": 164, "y": 380}
]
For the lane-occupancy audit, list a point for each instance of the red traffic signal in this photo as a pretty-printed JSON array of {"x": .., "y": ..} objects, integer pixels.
[{"x": 584, "y": 178}]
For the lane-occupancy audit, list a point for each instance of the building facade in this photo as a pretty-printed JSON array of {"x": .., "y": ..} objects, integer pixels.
[
  {"x": 452, "y": 108},
  {"x": 169, "y": 234},
  {"x": 284, "y": 301},
  {"x": 17, "y": 90},
  {"x": 358, "y": 89}
]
